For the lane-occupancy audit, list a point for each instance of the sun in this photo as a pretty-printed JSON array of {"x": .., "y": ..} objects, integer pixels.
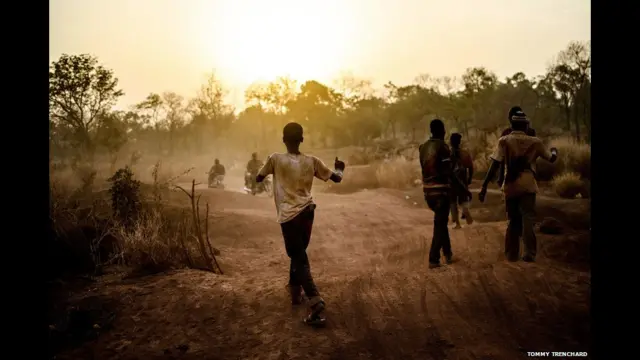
[{"x": 261, "y": 40}]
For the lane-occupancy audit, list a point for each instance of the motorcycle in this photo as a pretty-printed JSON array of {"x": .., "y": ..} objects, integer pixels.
[
  {"x": 256, "y": 188},
  {"x": 216, "y": 182}
]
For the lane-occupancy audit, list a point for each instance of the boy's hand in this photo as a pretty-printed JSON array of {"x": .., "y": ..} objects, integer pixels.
[
  {"x": 339, "y": 165},
  {"x": 554, "y": 151}
]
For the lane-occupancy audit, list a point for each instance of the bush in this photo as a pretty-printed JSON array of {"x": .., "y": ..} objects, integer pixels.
[
  {"x": 395, "y": 173},
  {"x": 572, "y": 157},
  {"x": 125, "y": 196},
  {"x": 480, "y": 148},
  {"x": 88, "y": 233},
  {"x": 568, "y": 185},
  {"x": 157, "y": 241},
  {"x": 398, "y": 173}
]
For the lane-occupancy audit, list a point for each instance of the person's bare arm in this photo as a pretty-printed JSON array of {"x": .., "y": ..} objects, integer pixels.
[
  {"x": 491, "y": 173},
  {"x": 501, "y": 174},
  {"x": 266, "y": 170},
  {"x": 496, "y": 158},
  {"x": 322, "y": 172},
  {"x": 550, "y": 155}
]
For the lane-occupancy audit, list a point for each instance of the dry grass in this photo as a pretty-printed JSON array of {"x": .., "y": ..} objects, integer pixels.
[
  {"x": 395, "y": 173},
  {"x": 87, "y": 237},
  {"x": 568, "y": 185},
  {"x": 573, "y": 156}
]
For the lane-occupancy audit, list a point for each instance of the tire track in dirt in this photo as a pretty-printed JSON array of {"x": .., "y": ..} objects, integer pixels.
[
  {"x": 350, "y": 241},
  {"x": 368, "y": 256}
]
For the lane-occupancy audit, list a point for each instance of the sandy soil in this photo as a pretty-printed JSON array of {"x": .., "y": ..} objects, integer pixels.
[{"x": 368, "y": 256}]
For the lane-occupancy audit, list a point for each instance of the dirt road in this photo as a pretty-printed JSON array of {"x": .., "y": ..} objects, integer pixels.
[{"x": 368, "y": 256}]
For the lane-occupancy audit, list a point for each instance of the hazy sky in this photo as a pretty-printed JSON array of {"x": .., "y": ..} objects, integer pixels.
[{"x": 170, "y": 45}]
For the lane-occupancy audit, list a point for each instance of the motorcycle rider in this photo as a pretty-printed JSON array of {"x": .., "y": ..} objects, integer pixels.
[
  {"x": 216, "y": 170},
  {"x": 253, "y": 166}
]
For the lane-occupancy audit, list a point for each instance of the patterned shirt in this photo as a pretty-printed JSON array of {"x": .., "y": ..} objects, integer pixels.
[
  {"x": 520, "y": 146},
  {"x": 292, "y": 179}
]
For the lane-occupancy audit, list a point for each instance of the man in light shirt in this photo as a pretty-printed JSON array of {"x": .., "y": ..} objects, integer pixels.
[
  {"x": 519, "y": 153},
  {"x": 293, "y": 174}
]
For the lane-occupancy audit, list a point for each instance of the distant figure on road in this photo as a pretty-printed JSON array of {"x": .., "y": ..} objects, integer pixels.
[
  {"x": 519, "y": 153},
  {"x": 216, "y": 170},
  {"x": 530, "y": 131},
  {"x": 437, "y": 182},
  {"x": 293, "y": 174},
  {"x": 252, "y": 170},
  {"x": 463, "y": 169}
]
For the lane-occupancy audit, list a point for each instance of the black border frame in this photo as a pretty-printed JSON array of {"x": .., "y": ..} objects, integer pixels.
[
  {"x": 26, "y": 56},
  {"x": 612, "y": 258}
]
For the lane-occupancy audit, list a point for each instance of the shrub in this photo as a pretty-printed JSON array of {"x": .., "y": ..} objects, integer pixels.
[
  {"x": 572, "y": 157},
  {"x": 395, "y": 173},
  {"x": 398, "y": 173},
  {"x": 360, "y": 157},
  {"x": 568, "y": 185},
  {"x": 88, "y": 233},
  {"x": 125, "y": 196},
  {"x": 480, "y": 148},
  {"x": 157, "y": 241}
]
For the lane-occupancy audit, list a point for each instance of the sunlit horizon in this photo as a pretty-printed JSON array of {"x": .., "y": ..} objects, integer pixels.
[{"x": 169, "y": 45}]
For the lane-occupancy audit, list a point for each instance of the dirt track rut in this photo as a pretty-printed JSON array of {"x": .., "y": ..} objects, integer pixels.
[{"x": 368, "y": 256}]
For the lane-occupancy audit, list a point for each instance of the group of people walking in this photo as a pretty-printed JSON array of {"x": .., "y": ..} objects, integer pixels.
[{"x": 447, "y": 171}]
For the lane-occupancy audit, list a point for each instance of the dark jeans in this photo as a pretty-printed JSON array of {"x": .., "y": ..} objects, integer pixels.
[
  {"x": 297, "y": 233},
  {"x": 440, "y": 205},
  {"x": 521, "y": 215}
]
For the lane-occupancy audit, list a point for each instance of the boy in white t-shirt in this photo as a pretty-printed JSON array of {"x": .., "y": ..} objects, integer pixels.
[{"x": 293, "y": 174}]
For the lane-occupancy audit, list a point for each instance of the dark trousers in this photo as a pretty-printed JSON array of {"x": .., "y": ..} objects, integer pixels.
[
  {"x": 440, "y": 205},
  {"x": 521, "y": 215},
  {"x": 297, "y": 233}
]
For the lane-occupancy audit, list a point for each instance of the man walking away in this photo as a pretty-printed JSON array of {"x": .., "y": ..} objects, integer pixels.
[
  {"x": 530, "y": 131},
  {"x": 437, "y": 181},
  {"x": 463, "y": 170},
  {"x": 519, "y": 153},
  {"x": 293, "y": 174}
]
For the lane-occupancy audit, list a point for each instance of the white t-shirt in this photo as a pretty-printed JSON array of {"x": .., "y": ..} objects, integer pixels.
[{"x": 292, "y": 180}]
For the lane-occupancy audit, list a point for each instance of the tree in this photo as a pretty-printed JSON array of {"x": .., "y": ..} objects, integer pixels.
[
  {"x": 363, "y": 121},
  {"x": 353, "y": 89},
  {"x": 572, "y": 79},
  {"x": 175, "y": 112},
  {"x": 251, "y": 123},
  {"x": 316, "y": 107},
  {"x": 479, "y": 85},
  {"x": 150, "y": 109},
  {"x": 80, "y": 92},
  {"x": 211, "y": 116},
  {"x": 112, "y": 134}
]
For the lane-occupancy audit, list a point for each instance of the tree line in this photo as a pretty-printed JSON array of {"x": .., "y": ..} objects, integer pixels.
[{"x": 351, "y": 111}]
